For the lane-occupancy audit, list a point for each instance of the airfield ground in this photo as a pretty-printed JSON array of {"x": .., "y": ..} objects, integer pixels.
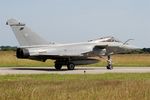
[{"x": 134, "y": 84}]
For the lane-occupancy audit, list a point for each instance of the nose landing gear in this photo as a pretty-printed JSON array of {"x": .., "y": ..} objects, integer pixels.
[{"x": 109, "y": 62}]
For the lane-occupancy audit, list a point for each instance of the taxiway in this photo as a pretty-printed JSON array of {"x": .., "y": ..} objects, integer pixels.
[{"x": 78, "y": 70}]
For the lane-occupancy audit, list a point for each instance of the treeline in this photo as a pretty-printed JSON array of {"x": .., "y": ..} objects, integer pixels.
[
  {"x": 140, "y": 51},
  {"x": 10, "y": 48},
  {"x": 146, "y": 50}
]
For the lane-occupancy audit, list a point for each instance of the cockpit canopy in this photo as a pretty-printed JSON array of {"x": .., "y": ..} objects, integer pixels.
[{"x": 105, "y": 39}]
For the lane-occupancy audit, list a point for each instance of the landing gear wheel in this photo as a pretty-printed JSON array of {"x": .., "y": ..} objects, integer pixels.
[
  {"x": 110, "y": 67},
  {"x": 70, "y": 66},
  {"x": 58, "y": 66}
]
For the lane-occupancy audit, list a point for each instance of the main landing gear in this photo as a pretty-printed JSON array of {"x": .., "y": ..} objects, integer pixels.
[
  {"x": 70, "y": 66},
  {"x": 59, "y": 64}
]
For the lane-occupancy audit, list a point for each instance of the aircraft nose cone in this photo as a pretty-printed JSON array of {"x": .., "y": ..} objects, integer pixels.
[{"x": 131, "y": 48}]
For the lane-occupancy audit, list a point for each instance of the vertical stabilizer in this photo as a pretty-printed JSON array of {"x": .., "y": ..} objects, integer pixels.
[{"x": 24, "y": 35}]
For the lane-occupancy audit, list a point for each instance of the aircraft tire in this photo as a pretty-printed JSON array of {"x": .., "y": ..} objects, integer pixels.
[
  {"x": 58, "y": 66},
  {"x": 110, "y": 67},
  {"x": 70, "y": 66}
]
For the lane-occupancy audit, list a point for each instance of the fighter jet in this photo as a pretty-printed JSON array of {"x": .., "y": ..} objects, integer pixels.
[{"x": 32, "y": 46}]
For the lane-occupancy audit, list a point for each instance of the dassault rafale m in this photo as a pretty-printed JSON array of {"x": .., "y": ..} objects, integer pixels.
[{"x": 34, "y": 47}]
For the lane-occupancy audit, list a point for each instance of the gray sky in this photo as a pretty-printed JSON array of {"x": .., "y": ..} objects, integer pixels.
[{"x": 78, "y": 20}]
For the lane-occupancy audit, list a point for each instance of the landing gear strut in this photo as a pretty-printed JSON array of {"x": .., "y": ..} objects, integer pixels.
[{"x": 109, "y": 61}]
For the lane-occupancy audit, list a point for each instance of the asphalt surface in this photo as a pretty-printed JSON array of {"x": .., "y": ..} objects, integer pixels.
[{"x": 78, "y": 70}]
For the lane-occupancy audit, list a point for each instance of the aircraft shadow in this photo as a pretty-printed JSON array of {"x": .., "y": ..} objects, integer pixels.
[{"x": 49, "y": 69}]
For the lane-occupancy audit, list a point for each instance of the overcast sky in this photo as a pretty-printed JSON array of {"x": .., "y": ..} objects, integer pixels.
[{"x": 78, "y": 20}]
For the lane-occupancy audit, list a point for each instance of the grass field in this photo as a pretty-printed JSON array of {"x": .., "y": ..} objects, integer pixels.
[
  {"x": 75, "y": 87},
  {"x": 8, "y": 59}
]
